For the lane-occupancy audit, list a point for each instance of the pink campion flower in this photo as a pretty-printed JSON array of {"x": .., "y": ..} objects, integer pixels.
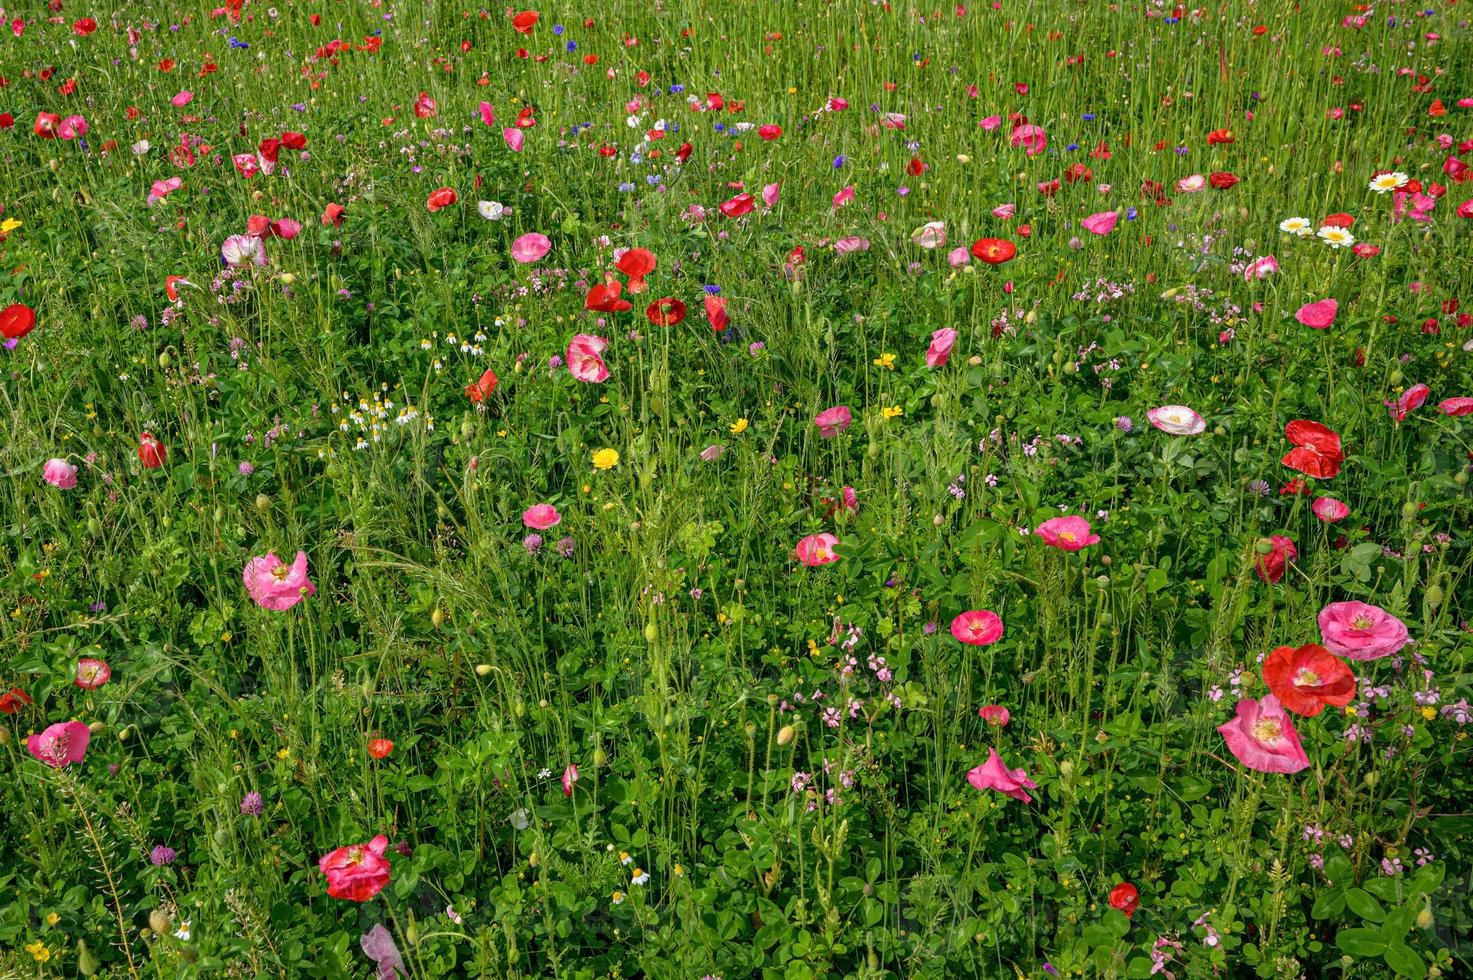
[
  {"x": 1069, "y": 533},
  {"x": 1410, "y": 401},
  {"x": 1177, "y": 420},
  {"x": 995, "y": 715},
  {"x": 1261, "y": 268},
  {"x": 844, "y": 197},
  {"x": 514, "y": 138},
  {"x": 942, "y": 341},
  {"x": 92, "y": 673},
  {"x": 1359, "y": 631},
  {"x": 60, "y": 474},
  {"x": 530, "y": 247},
  {"x": 72, "y": 127},
  {"x": 993, "y": 775},
  {"x": 832, "y": 421},
  {"x": 356, "y": 872},
  {"x": 540, "y": 517},
  {"x": 1031, "y": 138},
  {"x": 584, "y": 360},
  {"x": 817, "y": 549},
  {"x": 1262, "y": 737},
  {"x": 274, "y": 584},
  {"x": 570, "y": 776},
  {"x": 977, "y": 627},
  {"x": 60, "y": 744},
  {"x": 162, "y": 189},
  {"x": 1102, "y": 223},
  {"x": 1318, "y": 315},
  {"x": 930, "y": 235},
  {"x": 1456, "y": 406},
  {"x": 1329, "y": 510}
]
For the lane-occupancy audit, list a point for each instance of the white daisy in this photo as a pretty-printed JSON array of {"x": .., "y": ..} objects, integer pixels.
[
  {"x": 1296, "y": 226},
  {"x": 1336, "y": 237},
  {"x": 1381, "y": 183},
  {"x": 639, "y": 877}
]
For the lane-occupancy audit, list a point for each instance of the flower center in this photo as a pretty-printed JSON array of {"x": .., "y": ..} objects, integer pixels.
[
  {"x": 1362, "y": 622},
  {"x": 1067, "y": 536},
  {"x": 1306, "y": 678},
  {"x": 1267, "y": 731},
  {"x": 280, "y": 572}
]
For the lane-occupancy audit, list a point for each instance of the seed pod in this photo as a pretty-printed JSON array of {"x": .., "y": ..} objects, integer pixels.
[
  {"x": 263, "y": 502},
  {"x": 164, "y": 360},
  {"x": 159, "y": 921},
  {"x": 785, "y": 734}
]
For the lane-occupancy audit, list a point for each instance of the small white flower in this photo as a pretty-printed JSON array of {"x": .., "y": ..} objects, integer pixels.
[
  {"x": 491, "y": 210},
  {"x": 1336, "y": 237},
  {"x": 640, "y": 877},
  {"x": 624, "y": 857},
  {"x": 1381, "y": 183},
  {"x": 183, "y": 931},
  {"x": 1296, "y": 226}
]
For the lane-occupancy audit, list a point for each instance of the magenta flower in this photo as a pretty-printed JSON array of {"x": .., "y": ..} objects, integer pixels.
[
  {"x": 1329, "y": 510},
  {"x": 942, "y": 341},
  {"x": 1318, "y": 315},
  {"x": 992, "y": 774},
  {"x": 1102, "y": 223},
  {"x": 1359, "y": 631},
  {"x": 540, "y": 517},
  {"x": 1410, "y": 400},
  {"x": 60, "y": 744},
  {"x": 530, "y": 247},
  {"x": 1067, "y": 533},
  {"x": 275, "y": 585},
  {"x": 1262, "y": 737},
  {"x": 570, "y": 776},
  {"x": 60, "y": 474},
  {"x": 817, "y": 549},
  {"x": 585, "y": 360},
  {"x": 995, "y": 715},
  {"x": 977, "y": 627},
  {"x": 832, "y": 421}
]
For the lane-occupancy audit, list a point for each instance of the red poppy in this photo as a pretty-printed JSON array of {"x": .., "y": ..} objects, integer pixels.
[
  {"x": 294, "y": 141},
  {"x": 479, "y": 391},
  {"x": 993, "y": 251},
  {"x": 738, "y": 206},
  {"x": 270, "y": 149},
  {"x": 636, "y": 263},
  {"x": 151, "y": 453},
  {"x": 1078, "y": 172},
  {"x": 84, "y": 26},
  {"x": 525, "y": 21},
  {"x": 683, "y": 154},
  {"x": 1308, "y": 678},
  {"x": 1125, "y": 897},
  {"x": 380, "y": 748},
  {"x": 7, "y": 121},
  {"x": 46, "y": 123},
  {"x": 527, "y": 118},
  {"x": 13, "y": 700},
  {"x": 769, "y": 132},
  {"x": 1220, "y": 136},
  {"x": 604, "y": 298},
  {"x": 1272, "y": 564},
  {"x": 1317, "y": 451},
  {"x": 1337, "y": 220},
  {"x": 1221, "y": 180},
  {"x": 716, "y": 314},
  {"x": 17, "y": 320},
  {"x": 665, "y": 312},
  {"x": 426, "y": 107},
  {"x": 442, "y": 198},
  {"x": 915, "y": 167},
  {"x": 333, "y": 215},
  {"x": 1366, "y": 250}
]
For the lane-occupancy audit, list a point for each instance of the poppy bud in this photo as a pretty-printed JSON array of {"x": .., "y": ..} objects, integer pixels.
[
  {"x": 785, "y": 734},
  {"x": 263, "y": 502},
  {"x": 437, "y": 617},
  {"x": 483, "y": 670}
]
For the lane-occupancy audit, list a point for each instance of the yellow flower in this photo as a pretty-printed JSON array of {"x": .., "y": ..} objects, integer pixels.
[
  {"x": 738, "y": 427},
  {"x": 1429, "y": 712},
  {"x": 39, "y": 951},
  {"x": 9, "y": 225},
  {"x": 52, "y": 918},
  {"x": 891, "y": 411},
  {"x": 283, "y": 753},
  {"x": 605, "y": 459},
  {"x": 886, "y": 361}
]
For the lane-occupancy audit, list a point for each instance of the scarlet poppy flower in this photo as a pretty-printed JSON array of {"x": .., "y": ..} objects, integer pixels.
[
  {"x": 993, "y": 251},
  {"x": 604, "y": 298},
  {"x": 683, "y": 154},
  {"x": 1220, "y": 136},
  {"x": 13, "y": 700},
  {"x": 716, "y": 314},
  {"x": 46, "y": 124},
  {"x": 636, "y": 264},
  {"x": 527, "y": 118},
  {"x": 1337, "y": 220},
  {"x": 769, "y": 132},
  {"x": 738, "y": 206},
  {"x": 151, "y": 453},
  {"x": 7, "y": 121},
  {"x": 1078, "y": 172},
  {"x": 84, "y": 26},
  {"x": 1317, "y": 451},
  {"x": 333, "y": 215},
  {"x": 1221, "y": 180},
  {"x": 294, "y": 141},
  {"x": 525, "y": 21},
  {"x": 442, "y": 198},
  {"x": 1272, "y": 564},
  {"x": 915, "y": 167},
  {"x": 1307, "y": 678},
  {"x": 380, "y": 748},
  {"x": 17, "y": 320},
  {"x": 426, "y": 107},
  {"x": 665, "y": 312},
  {"x": 1125, "y": 897},
  {"x": 480, "y": 390}
]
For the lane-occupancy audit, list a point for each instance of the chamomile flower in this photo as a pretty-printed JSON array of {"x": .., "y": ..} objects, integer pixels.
[
  {"x": 1296, "y": 226},
  {"x": 1336, "y": 237},
  {"x": 1382, "y": 183},
  {"x": 640, "y": 877}
]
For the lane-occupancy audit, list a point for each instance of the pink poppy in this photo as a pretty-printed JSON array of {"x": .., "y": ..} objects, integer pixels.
[
  {"x": 60, "y": 474},
  {"x": 851, "y": 243},
  {"x": 1329, "y": 510},
  {"x": 995, "y": 715},
  {"x": 182, "y": 99},
  {"x": 1069, "y": 533},
  {"x": 540, "y": 517},
  {"x": 977, "y": 627},
  {"x": 832, "y": 421},
  {"x": 60, "y": 744},
  {"x": 1359, "y": 631},
  {"x": 1261, "y": 268},
  {"x": 989, "y": 123},
  {"x": 1456, "y": 406},
  {"x": 993, "y": 775},
  {"x": 570, "y": 776},
  {"x": 1031, "y": 138},
  {"x": 286, "y": 228},
  {"x": 1410, "y": 400},
  {"x": 1177, "y": 420},
  {"x": 817, "y": 549},
  {"x": 958, "y": 257},
  {"x": 72, "y": 128},
  {"x": 584, "y": 360},
  {"x": 239, "y": 251},
  {"x": 1262, "y": 737},
  {"x": 770, "y": 194},
  {"x": 92, "y": 673},
  {"x": 930, "y": 235},
  {"x": 844, "y": 197},
  {"x": 942, "y": 341},
  {"x": 1318, "y": 315},
  {"x": 274, "y": 584},
  {"x": 514, "y": 138},
  {"x": 1102, "y": 223},
  {"x": 357, "y": 872},
  {"x": 530, "y": 247},
  {"x": 247, "y": 164},
  {"x": 488, "y": 114},
  {"x": 162, "y": 189},
  {"x": 1004, "y": 211}
]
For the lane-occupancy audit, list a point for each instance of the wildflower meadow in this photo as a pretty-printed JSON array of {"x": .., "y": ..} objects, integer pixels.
[{"x": 822, "y": 488}]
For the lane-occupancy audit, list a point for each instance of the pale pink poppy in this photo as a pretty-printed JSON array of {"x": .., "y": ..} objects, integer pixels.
[
  {"x": 930, "y": 235},
  {"x": 843, "y": 197},
  {"x": 1192, "y": 184},
  {"x": 584, "y": 358},
  {"x": 570, "y": 776},
  {"x": 989, "y": 123},
  {"x": 1178, "y": 420},
  {"x": 1004, "y": 211},
  {"x": 958, "y": 257},
  {"x": 60, "y": 474},
  {"x": 242, "y": 250},
  {"x": 540, "y": 517},
  {"x": 995, "y": 715},
  {"x": 1318, "y": 315},
  {"x": 1329, "y": 510},
  {"x": 993, "y": 775},
  {"x": 942, "y": 341},
  {"x": 817, "y": 549},
  {"x": 832, "y": 421},
  {"x": 1101, "y": 223},
  {"x": 60, "y": 744},
  {"x": 1261, "y": 268},
  {"x": 274, "y": 584},
  {"x": 92, "y": 673},
  {"x": 1359, "y": 631},
  {"x": 1031, "y": 138},
  {"x": 530, "y": 247},
  {"x": 514, "y": 138},
  {"x": 1410, "y": 400},
  {"x": 851, "y": 243},
  {"x": 182, "y": 99},
  {"x": 1262, "y": 737},
  {"x": 247, "y": 163},
  {"x": 1456, "y": 406},
  {"x": 162, "y": 189},
  {"x": 1069, "y": 533},
  {"x": 770, "y": 194},
  {"x": 977, "y": 627}
]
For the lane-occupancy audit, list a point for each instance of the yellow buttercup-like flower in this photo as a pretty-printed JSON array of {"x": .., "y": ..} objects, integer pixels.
[
  {"x": 886, "y": 361},
  {"x": 891, "y": 411},
  {"x": 9, "y": 225},
  {"x": 605, "y": 459},
  {"x": 738, "y": 427}
]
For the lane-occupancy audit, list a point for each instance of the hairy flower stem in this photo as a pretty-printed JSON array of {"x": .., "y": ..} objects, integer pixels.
[{"x": 112, "y": 887}]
